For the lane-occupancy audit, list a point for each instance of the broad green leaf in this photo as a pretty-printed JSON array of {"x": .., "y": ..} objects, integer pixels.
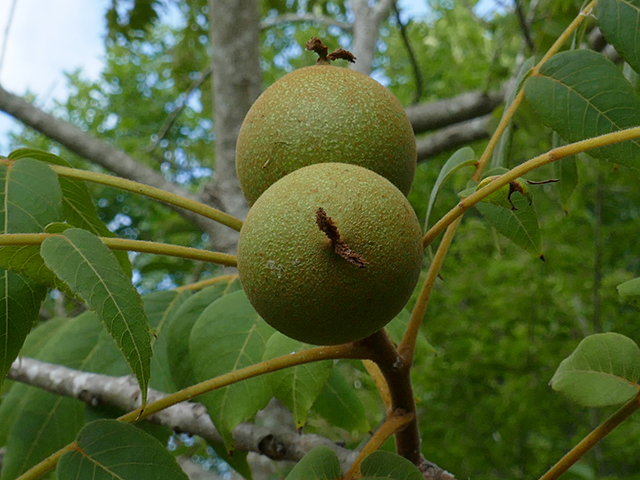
[
  {"x": 179, "y": 330},
  {"x": 619, "y": 20},
  {"x": 381, "y": 464},
  {"x": 581, "y": 94},
  {"x": 602, "y": 371},
  {"x": 112, "y": 450},
  {"x": 296, "y": 387},
  {"x": 461, "y": 158},
  {"x": 31, "y": 199},
  {"x": 228, "y": 336},
  {"x": 520, "y": 226},
  {"x": 630, "y": 292},
  {"x": 320, "y": 463},
  {"x": 339, "y": 405},
  {"x": 77, "y": 204},
  {"x": 84, "y": 263},
  {"x": 34, "y": 343},
  {"x": 500, "y": 155},
  {"x": 44, "y": 422},
  {"x": 160, "y": 307}
]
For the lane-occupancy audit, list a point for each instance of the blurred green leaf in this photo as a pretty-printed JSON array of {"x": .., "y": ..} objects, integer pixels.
[
  {"x": 381, "y": 464},
  {"x": 339, "y": 405},
  {"x": 228, "y": 336},
  {"x": 461, "y": 158},
  {"x": 82, "y": 261},
  {"x": 630, "y": 292},
  {"x": 619, "y": 20},
  {"x": 110, "y": 450},
  {"x": 520, "y": 226},
  {"x": 296, "y": 387},
  {"x": 160, "y": 308},
  {"x": 179, "y": 330},
  {"x": 320, "y": 463},
  {"x": 581, "y": 94},
  {"x": 602, "y": 371},
  {"x": 567, "y": 171}
]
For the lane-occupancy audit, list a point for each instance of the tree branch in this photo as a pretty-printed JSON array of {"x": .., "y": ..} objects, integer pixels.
[
  {"x": 123, "y": 392},
  {"x": 97, "y": 151},
  {"x": 441, "y": 113},
  {"x": 365, "y": 31},
  {"x": 453, "y": 136},
  {"x": 412, "y": 57}
]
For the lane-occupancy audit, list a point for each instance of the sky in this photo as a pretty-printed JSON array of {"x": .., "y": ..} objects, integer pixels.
[{"x": 49, "y": 37}]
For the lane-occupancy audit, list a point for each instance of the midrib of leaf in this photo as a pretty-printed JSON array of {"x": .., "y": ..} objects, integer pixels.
[
  {"x": 135, "y": 345},
  {"x": 97, "y": 464},
  {"x": 235, "y": 365},
  {"x": 526, "y": 233},
  {"x": 588, "y": 103}
]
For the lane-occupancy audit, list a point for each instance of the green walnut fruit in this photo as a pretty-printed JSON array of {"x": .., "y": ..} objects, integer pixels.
[
  {"x": 330, "y": 253},
  {"x": 324, "y": 113}
]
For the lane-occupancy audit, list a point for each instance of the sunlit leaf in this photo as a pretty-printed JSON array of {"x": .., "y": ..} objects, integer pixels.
[
  {"x": 602, "y": 371},
  {"x": 321, "y": 463},
  {"x": 296, "y": 387},
  {"x": 619, "y": 20},
  {"x": 84, "y": 263},
  {"x": 112, "y": 450},
  {"x": 581, "y": 94},
  {"x": 228, "y": 336}
]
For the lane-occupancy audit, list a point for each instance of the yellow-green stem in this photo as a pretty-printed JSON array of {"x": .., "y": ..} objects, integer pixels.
[
  {"x": 551, "y": 156},
  {"x": 590, "y": 440},
  {"x": 508, "y": 115},
  {"x": 306, "y": 356},
  {"x": 47, "y": 464},
  {"x": 207, "y": 282},
  {"x": 151, "y": 192},
  {"x": 393, "y": 422},
  {"x": 131, "y": 245},
  {"x": 407, "y": 346}
]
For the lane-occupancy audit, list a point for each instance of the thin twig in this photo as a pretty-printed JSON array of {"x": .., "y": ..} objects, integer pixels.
[
  {"x": 307, "y": 17},
  {"x": 522, "y": 21},
  {"x": 178, "y": 109},
  {"x": 412, "y": 57},
  {"x": 6, "y": 33}
]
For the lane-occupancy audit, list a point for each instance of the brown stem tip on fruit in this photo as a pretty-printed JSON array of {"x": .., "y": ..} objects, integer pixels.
[
  {"x": 316, "y": 45},
  {"x": 329, "y": 228}
]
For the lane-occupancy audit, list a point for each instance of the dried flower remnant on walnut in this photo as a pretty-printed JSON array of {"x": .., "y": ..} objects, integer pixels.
[
  {"x": 316, "y": 45},
  {"x": 326, "y": 225}
]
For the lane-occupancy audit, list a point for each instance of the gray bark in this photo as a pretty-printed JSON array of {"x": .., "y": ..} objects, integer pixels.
[
  {"x": 452, "y": 137},
  {"x": 186, "y": 417},
  {"x": 365, "y": 31},
  {"x": 441, "y": 113}
]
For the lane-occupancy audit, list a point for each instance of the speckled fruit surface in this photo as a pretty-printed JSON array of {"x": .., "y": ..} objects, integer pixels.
[
  {"x": 324, "y": 113},
  {"x": 291, "y": 273}
]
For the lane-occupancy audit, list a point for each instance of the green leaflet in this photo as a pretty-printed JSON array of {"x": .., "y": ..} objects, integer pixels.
[
  {"x": 581, "y": 94},
  {"x": 110, "y": 450},
  {"x": 602, "y": 371},
  {"x": 320, "y": 463},
  {"x": 228, "y": 336},
  {"x": 296, "y": 387},
  {"x": 82, "y": 261},
  {"x": 619, "y": 20}
]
